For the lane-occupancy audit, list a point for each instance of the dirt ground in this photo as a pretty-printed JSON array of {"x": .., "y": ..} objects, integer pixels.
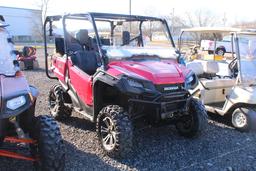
[{"x": 219, "y": 148}]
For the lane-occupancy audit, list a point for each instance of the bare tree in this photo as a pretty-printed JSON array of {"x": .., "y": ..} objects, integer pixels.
[{"x": 39, "y": 18}]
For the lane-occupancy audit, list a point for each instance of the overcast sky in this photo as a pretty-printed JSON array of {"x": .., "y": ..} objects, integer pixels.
[{"x": 234, "y": 10}]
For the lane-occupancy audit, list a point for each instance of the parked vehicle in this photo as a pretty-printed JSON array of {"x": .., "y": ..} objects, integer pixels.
[
  {"x": 220, "y": 48},
  {"x": 27, "y": 58},
  {"x": 18, "y": 123},
  {"x": 232, "y": 95},
  {"x": 115, "y": 81}
]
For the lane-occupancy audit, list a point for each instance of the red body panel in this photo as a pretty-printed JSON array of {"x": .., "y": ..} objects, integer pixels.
[
  {"x": 159, "y": 72},
  {"x": 82, "y": 83},
  {"x": 59, "y": 64}
]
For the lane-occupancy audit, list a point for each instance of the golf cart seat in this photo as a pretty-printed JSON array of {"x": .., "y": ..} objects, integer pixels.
[
  {"x": 218, "y": 83},
  {"x": 204, "y": 69}
]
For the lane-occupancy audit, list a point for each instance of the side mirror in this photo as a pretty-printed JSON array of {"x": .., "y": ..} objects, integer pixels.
[{"x": 126, "y": 37}]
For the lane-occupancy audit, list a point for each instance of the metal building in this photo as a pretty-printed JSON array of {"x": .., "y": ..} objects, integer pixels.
[{"x": 25, "y": 24}]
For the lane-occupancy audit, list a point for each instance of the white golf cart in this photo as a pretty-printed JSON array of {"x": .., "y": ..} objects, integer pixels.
[{"x": 231, "y": 93}]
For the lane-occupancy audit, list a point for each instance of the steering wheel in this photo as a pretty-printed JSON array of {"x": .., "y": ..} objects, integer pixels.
[{"x": 233, "y": 67}]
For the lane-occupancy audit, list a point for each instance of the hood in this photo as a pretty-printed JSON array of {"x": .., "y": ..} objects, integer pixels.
[{"x": 159, "y": 72}]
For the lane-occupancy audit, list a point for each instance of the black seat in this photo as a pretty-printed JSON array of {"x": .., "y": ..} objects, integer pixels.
[
  {"x": 86, "y": 61},
  {"x": 82, "y": 36}
]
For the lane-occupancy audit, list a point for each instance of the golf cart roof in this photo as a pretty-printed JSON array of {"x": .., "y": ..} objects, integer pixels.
[{"x": 211, "y": 29}]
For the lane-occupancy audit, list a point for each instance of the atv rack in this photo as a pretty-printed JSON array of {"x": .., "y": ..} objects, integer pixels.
[{"x": 10, "y": 154}]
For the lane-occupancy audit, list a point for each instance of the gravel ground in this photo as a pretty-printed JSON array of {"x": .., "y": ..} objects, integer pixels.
[{"x": 219, "y": 148}]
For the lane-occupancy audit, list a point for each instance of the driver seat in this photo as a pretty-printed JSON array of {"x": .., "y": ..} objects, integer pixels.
[{"x": 82, "y": 36}]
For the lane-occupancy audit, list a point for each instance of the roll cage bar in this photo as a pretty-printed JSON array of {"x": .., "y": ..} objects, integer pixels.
[{"x": 92, "y": 17}]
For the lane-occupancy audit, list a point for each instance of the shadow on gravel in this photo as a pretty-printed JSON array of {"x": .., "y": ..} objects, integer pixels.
[
  {"x": 80, "y": 123},
  {"x": 35, "y": 70},
  {"x": 80, "y": 160},
  {"x": 74, "y": 159},
  {"x": 163, "y": 149}
]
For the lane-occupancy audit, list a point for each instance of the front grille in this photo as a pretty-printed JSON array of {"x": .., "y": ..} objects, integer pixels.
[{"x": 168, "y": 88}]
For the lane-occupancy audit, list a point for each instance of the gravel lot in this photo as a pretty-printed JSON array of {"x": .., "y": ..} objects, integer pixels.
[{"x": 219, "y": 148}]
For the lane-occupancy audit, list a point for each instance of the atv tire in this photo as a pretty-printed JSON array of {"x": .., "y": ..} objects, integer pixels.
[
  {"x": 244, "y": 119},
  {"x": 57, "y": 107},
  {"x": 193, "y": 124},
  {"x": 35, "y": 64},
  {"x": 50, "y": 148},
  {"x": 115, "y": 131},
  {"x": 22, "y": 65}
]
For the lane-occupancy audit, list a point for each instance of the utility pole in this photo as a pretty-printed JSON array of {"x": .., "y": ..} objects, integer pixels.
[{"x": 130, "y": 13}]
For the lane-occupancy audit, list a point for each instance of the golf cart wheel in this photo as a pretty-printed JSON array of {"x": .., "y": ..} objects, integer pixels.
[
  {"x": 244, "y": 119},
  {"x": 35, "y": 64},
  {"x": 195, "y": 122},
  {"x": 22, "y": 65},
  {"x": 115, "y": 131},
  {"x": 220, "y": 51},
  {"x": 57, "y": 106},
  {"x": 49, "y": 148}
]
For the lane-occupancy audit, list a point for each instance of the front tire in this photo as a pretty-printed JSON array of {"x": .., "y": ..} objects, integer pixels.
[
  {"x": 115, "y": 131},
  {"x": 244, "y": 120},
  {"x": 58, "y": 109},
  {"x": 193, "y": 124},
  {"x": 50, "y": 147}
]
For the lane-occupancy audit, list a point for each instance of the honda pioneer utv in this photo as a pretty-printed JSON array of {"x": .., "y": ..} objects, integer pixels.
[
  {"x": 18, "y": 124},
  {"x": 115, "y": 69}
]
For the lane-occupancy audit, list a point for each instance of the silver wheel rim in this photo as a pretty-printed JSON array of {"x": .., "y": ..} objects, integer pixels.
[
  {"x": 53, "y": 103},
  {"x": 240, "y": 119},
  {"x": 108, "y": 133}
]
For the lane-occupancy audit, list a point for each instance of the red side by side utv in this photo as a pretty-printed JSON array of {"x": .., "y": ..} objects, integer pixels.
[{"x": 115, "y": 69}]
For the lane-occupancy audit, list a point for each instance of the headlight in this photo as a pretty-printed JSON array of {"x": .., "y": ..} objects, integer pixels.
[
  {"x": 191, "y": 81},
  {"x": 16, "y": 102},
  {"x": 134, "y": 83}
]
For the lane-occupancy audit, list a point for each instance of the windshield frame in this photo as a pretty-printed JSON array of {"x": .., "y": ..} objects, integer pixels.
[{"x": 239, "y": 57}]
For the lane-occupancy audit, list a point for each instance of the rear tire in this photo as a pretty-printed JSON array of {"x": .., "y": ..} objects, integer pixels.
[
  {"x": 58, "y": 109},
  {"x": 244, "y": 119},
  {"x": 22, "y": 65},
  {"x": 115, "y": 131},
  {"x": 193, "y": 124},
  {"x": 50, "y": 149},
  {"x": 35, "y": 64}
]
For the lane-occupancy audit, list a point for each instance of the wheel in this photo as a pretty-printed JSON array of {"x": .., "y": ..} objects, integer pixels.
[
  {"x": 210, "y": 52},
  {"x": 35, "y": 64},
  {"x": 244, "y": 119},
  {"x": 115, "y": 131},
  {"x": 50, "y": 148},
  {"x": 195, "y": 122},
  {"x": 220, "y": 51},
  {"x": 57, "y": 106},
  {"x": 22, "y": 65}
]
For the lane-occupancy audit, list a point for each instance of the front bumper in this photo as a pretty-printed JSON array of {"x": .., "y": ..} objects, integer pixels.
[{"x": 162, "y": 106}]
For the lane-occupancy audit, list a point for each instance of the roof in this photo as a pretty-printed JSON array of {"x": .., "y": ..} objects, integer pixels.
[
  {"x": 212, "y": 29},
  {"x": 109, "y": 16},
  {"x": 20, "y": 8}
]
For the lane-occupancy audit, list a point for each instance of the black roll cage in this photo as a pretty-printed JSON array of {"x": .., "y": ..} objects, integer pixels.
[{"x": 92, "y": 17}]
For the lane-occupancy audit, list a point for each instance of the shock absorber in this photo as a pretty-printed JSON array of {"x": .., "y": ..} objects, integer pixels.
[{"x": 18, "y": 129}]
